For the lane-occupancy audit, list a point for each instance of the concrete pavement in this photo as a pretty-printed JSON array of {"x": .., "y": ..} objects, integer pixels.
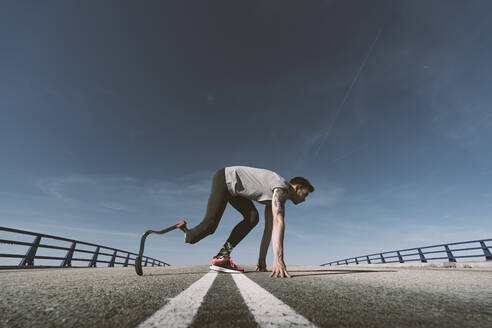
[{"x": 373, "y": 296}]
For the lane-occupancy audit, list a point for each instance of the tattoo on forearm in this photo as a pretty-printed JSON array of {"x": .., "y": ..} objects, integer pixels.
[{"x": 279, "y": 197}]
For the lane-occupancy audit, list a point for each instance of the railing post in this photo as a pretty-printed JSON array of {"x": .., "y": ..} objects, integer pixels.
[
  {"x": 356, "y": 262},
  {"x": 67, "y": 262},
  {"x": 382, "y": 258},
  {"x": 486, "y": 252},
  {"x": 153, "y": 261},
  {"x": 111, "y": 263},
  {"x": 399, "y": 257},
  {"x": 93, "y": 262},
  {"x": 368, "y": 260},
  {"x": 146, "y": 260},
  {"x": 450, "y": 255},
  {"x": 126, "y": 260},
  {"x": 346, "y": 262},
  {"x": 28, "y": 260},
  {"x": 422, "y": 257}
]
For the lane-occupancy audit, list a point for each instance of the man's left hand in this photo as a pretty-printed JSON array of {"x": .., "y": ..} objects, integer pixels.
[{"x": 261, "y": 266}]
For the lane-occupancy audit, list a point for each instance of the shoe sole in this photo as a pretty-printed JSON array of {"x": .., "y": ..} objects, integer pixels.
[{"x": 221, "y": 269}]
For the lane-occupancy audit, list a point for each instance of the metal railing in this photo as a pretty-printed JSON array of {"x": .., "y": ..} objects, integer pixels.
[
  {"x": 423, "y": 254},
  {"x": 117, "y": 256}
]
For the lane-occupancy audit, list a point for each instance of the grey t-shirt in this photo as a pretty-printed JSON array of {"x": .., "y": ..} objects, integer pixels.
[{"x": 253, "y": 183}]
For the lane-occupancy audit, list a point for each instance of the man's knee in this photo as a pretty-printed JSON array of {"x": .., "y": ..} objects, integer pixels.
[
  {"x": 254, "y": 218},
  {"x": 211, "y": 229},
  {"x": 204, "y": 229}
]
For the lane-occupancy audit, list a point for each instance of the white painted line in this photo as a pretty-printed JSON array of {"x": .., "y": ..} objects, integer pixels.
[
  {"x": 181, "y": 310},
  {"x": 268, "y": 310}
]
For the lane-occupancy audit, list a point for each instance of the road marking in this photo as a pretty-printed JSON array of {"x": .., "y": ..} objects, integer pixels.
[
  {"x": 268, "y": 310},
  {"x": 181, "y": 310}
]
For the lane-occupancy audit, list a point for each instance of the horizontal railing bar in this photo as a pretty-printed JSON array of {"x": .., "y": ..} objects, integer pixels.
[
  {"x": 443, "y": 251},
  {"x": 105, "y": 254},
  {"x": 342, "y": 262},
  {"x": 61, "y": 258},
  {"x": 49, "y": 258},
  {"x": 117, "y": 255},
  {"x": 14, "y": 242},
  {"x": 466, "y": 249},
  {"x": 43, "y": 267},
  {"x": 60, "y": 238},
  {"x": 84, "y": 251},
  {"x": 43, "y": 235},
  {"x": 434, "y": 252},
  {"x": 465, "y": 256},
  {"x": 12, "y": 255},
  {"x": 442, "y": 245},
  {"x": 82, "y": 259},
  {"x": 73, "y": 266},
  {"x": 390, "y": 257},
  {"x": 411, "y": 254},
  {"x": 102, "y": 261},
  {"x": 54, "y": 247},
  {"x": 465, "y": 242}
]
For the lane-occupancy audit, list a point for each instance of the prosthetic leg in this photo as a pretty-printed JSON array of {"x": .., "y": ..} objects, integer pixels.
[{"x": 138, "y": 261}]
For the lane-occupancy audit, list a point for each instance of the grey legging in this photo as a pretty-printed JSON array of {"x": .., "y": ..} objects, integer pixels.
[{"x": 217, "y": 201}]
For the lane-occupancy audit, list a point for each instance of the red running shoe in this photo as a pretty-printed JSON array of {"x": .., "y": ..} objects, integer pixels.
[{"x": 225, "y": 264}]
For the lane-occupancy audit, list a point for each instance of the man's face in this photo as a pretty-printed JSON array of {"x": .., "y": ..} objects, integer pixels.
[{"x": 301, "y": 194}]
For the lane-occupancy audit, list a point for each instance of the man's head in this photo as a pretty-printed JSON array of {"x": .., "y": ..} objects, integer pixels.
[{"x": 301, "y": 188}]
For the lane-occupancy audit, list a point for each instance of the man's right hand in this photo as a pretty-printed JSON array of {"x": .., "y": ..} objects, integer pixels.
[{"x": 279, "y": 270}]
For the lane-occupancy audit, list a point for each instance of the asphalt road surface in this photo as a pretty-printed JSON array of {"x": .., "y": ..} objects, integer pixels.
[{"x": 192, "y": 296}]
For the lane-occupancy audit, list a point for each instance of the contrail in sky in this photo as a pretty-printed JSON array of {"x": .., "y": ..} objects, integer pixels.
[{"x": 347, "y": 93}]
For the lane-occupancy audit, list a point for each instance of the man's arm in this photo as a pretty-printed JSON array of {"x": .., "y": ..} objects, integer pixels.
[
  {"x": 265, "y": 240},
  {"x": 278, "y": 212}
]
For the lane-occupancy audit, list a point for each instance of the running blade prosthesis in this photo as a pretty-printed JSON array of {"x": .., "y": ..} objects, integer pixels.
[{"x": 138, "y": 261}]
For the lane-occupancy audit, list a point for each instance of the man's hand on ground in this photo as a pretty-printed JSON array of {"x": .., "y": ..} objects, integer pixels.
[
  {"x": 279, "y": 270},
  {"x": 261, "y": 266}
]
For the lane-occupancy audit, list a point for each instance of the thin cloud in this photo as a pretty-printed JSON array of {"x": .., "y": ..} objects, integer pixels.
[
  {"x": 347, "y": 94},
  {"x": 54, "y": 186}
]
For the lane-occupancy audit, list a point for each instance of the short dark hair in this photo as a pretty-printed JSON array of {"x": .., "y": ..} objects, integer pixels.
[{"x": 302, "y": 182}]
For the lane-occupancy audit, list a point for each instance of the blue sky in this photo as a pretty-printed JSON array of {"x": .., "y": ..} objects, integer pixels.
[{"x": 115, "y": 117}]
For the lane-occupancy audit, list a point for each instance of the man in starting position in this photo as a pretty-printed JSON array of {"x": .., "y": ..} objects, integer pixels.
[{"x": 238, "y": 186}]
